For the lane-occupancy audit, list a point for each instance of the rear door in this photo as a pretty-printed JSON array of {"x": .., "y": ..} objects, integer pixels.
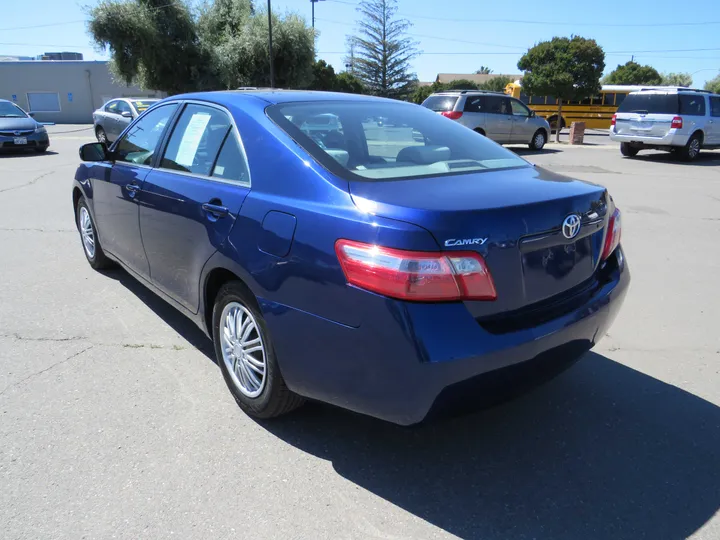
[
  {"x": 646, "y": 114},
  {"x": 474, "y": 113},
  {"x": 693, "y": 112},
  {"x": 522, "y": 128},
  {"x": 713, "y": 126},
  {"x": 191, "y": 200},
  {"x": 498, "y": 118}
]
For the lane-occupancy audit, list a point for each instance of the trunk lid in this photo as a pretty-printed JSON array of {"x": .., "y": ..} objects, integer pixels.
[
  {"x": 647, "y": 114},
  {"x": 513, "y": 218}
]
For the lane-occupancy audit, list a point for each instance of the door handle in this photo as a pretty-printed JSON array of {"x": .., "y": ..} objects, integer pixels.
[
  {"x": 132, "y": 189},
  {"x": 216, "y": 210}
]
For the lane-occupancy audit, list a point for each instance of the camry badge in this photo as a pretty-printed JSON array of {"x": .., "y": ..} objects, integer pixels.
[
  {"x": 465, "y": 242},
  {"x": 571, "y": 226}
]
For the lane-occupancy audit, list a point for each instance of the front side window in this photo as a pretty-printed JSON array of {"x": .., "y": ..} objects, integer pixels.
[
  {"x": 692, "y": 104},
  {"x": 10, "y": 110},
  {"x": 518, "y": 109},
  {"x": 410, "y": 141},
  {"x": 141, "y": 139},
  {"x": 196, "y": 140},
  {"x": 123, "y": 107}
]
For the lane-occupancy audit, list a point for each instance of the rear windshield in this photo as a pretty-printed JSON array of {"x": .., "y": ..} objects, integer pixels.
[
  {"x": 650, "y": 104},
  {"x": 440, "y": 103},
  {"x": 388, "y": 141}
]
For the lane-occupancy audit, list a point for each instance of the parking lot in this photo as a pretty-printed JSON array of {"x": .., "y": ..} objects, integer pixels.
[{"x": 116, "y": 423}]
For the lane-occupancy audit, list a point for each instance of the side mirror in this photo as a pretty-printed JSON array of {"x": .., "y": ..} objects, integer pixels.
[
  {"x": 31, "y": 114},
  {"x": 126, "y": 114},
  {"x": 95, "y": 152}
]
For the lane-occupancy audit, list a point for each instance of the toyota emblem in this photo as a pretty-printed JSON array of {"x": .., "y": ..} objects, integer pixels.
[
  {"x": 17, "y": 133},
  {"x": 571, "y": 226}
]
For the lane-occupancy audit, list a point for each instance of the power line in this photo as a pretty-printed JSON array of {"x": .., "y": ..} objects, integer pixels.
[
  {"x": 41, "y": 25},
  {"x": 552, "y": 23}
]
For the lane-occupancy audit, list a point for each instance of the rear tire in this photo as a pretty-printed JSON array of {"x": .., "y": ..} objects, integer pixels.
[
  {"x": 538, "y": 140},
  {"x": 628, "y": 150},
  {"x": 89, "y": 238},
  {"x": 246, "y": 356},
  {"x": 692, "y": 149}
]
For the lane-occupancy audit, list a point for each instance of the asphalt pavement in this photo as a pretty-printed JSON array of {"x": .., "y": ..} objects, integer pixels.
[{"x": 116, "y": 423}]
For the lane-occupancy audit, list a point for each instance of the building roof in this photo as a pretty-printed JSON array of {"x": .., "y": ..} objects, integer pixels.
[{"x": 477, "y": 78}]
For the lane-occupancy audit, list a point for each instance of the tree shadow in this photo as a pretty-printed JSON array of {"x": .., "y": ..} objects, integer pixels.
[
  {"x": 603, "y": 451},
  {"x": 706, "y": 158},
  {"x": 174, "y": 318}
]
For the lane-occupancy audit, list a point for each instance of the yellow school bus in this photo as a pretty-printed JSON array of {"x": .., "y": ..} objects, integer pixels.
[{"x": 596, "y": 112}]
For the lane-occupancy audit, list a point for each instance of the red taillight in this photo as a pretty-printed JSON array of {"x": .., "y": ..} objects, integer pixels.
[
  {"x": 452, "y": 115},
  {"x": 613, "y": 119},
  {"x": 415, "y": 275},
  {"x": 676, "y": 122},
  {"x": 612, "y": 238}
]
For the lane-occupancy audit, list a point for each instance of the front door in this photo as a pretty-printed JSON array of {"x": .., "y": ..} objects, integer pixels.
[
  {"x": 190, "y": 202},
  {"x": 499, "y": 119},
  {"x": 116, "y": 187},
  {"x": 523, "y": 128}
]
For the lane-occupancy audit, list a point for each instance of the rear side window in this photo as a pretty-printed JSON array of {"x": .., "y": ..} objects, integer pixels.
[
  {"x": 650, "y": 104},
  {"x": 475, "y": 104},
  {"x": 231, "y": 163},
  {"x": 497, "y": 105},
  {"x": 692, "y": 104},
  {"x": 196, "y": 140},
  {"x": 440, "y": 103},
  {"x": 715, "y": 105}
]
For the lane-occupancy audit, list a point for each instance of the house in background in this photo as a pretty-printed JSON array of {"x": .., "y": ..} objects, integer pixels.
[{"x": 63, "y": 91}]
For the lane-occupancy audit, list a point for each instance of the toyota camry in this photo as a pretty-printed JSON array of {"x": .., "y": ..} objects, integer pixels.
[{"x": 391, "y": 268}]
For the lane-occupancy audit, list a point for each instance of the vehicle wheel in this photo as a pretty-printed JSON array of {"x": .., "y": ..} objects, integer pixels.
[
  {"x": 41, "y": 149},
  {"x": 480, "y": 131},
  {"x": 553, "y": 123},
  {"x": 538, "y": 140},
  {"x": 628, "y": 150},
  {"x": 88, "y": 235},
  {"x": 691, "y": 150},
  {"x": 246, "y": 356},
  {"x": 101, "y": 135}
]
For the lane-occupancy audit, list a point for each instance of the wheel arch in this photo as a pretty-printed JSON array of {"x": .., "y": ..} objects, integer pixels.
[
  {"x": 214, "y": 281},
  {"x": 480, "y": 130}
]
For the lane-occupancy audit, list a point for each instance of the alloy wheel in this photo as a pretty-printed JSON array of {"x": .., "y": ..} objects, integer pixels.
[
  {"x": 87, "y": 232},
  {"x": 243, "y": 349}
]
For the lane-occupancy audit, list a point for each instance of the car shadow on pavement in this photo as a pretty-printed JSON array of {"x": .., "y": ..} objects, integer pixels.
[
  {"x": 176, "y": 320},
  {"x": 520, "y": 151},
  {"x": 704, "y": 159},
  {"x": 5, "y": 154},
  {"x": 601, "y": 452}
]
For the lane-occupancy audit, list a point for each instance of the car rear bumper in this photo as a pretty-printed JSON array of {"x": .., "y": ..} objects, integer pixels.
[
  {"x": 672, "y": 138},
  {"x": 34, "y": 140},
  {"x": 409, "y": 359}
]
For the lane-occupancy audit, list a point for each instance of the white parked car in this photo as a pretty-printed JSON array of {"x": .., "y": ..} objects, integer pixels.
[{"x": 678, "y": 120}]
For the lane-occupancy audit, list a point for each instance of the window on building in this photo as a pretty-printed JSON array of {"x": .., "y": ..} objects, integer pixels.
[{"x": 44, "y": 101}]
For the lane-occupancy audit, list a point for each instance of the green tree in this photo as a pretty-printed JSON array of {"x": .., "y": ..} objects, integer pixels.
[
  {"x": 421, "y": 93},
  {"x": 495, "y": 84},
  {"x": 713, "y": 85},
  {"x": 677, "y": 79},
  {"x": 348, "y": 83},
  {"x": 484, "y": 70},
  {"x": 567, "y": 68},
  {"x": 634, "y": 73},
  {"x": 324, "y": 77},
  {"x": 152, "y": 43},
  {"x": 382, "y": 51},
  {"x": 461, "y": 84}
]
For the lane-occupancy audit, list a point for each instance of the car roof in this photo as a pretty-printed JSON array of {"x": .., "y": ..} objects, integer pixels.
[
  {"x": 274, "y": 96},
  {"x": 468, "y": 92}
]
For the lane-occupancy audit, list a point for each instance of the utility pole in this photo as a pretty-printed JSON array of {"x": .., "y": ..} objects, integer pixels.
[
  {"x": 270, "y": 49},
  {"x": 313, "y": 2}
]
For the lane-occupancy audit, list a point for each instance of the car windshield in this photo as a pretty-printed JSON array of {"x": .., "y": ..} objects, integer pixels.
[
  {"x": 143, "y": 105},
  {"x": 650, "y": 104},
  {"x": 440, "y": 103},
  {"x": 388, "y": 141},
  {"x": 10, "y": 110}
]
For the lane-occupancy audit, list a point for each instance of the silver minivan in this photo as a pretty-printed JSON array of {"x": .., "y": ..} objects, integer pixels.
[
  {"x": 678, "y": 120},
  {"x": 503, "y": 119}
]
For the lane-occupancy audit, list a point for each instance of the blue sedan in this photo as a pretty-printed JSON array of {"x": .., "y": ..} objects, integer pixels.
[{"x": 393, "y": 268}]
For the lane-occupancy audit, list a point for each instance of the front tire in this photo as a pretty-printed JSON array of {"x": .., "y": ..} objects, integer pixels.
[
  {"x": 538, "y": 141},
  {"x": 88, "y": 236},
  {"x": 246, "y": 356},
  {"x": 692, "y": 149},
  {"x": 101, "y": 135},
  {"x": 628, "y": 150}
]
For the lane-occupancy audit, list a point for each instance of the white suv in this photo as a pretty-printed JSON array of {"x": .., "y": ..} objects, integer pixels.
[{"x": 677, "y": 120}]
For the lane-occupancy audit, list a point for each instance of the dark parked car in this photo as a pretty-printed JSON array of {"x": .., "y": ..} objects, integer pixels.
[
  {"x": 19, "y": 131},
  {"x": 112, "y": 118},
  {"x": 373, "y": 269}
]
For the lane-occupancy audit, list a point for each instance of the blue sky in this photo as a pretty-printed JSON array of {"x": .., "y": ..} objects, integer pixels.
[{"x": 455, "y": 36}]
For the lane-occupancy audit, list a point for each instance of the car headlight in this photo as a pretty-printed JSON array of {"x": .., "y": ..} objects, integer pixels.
[{"x": 40, "y": 129}]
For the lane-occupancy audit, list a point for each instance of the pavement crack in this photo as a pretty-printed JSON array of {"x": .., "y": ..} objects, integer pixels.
[
  {"x": 17, "y": 336},
  {"x": 45, "y": 370},
  {"x": 27, "y": 184}
]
